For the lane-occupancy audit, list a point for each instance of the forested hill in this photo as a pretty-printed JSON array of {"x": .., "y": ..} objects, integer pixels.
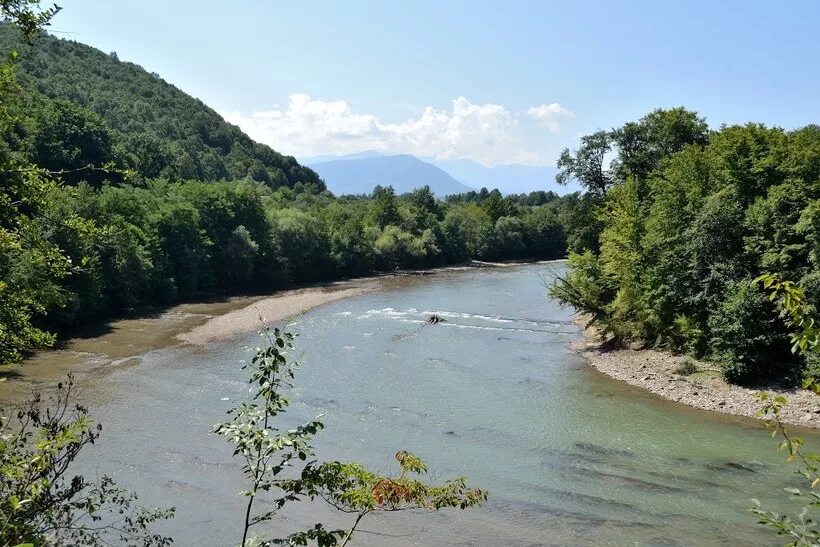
[{"x": 146, "y": 124}]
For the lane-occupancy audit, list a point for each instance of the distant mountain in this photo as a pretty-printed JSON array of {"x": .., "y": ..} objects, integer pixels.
[
  {"x": 308, "y": 160},
  {"x": 359, "y": 174},
  {"x": 509, "y": 179}
]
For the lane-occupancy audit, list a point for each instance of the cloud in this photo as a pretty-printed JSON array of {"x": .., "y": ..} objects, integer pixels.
[
  {"x": 488, "y": 133},
  {"x": 550, "y": 115}
]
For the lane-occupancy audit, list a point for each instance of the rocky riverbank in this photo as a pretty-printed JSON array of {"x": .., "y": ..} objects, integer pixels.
[{"x": 659, "y": 372}]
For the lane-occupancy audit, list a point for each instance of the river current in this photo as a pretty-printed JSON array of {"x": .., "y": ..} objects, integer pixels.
[{"x": 492, "y": 392}]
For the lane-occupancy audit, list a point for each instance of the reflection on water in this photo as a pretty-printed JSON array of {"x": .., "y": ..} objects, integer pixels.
[{"x": 568, "y": 455}]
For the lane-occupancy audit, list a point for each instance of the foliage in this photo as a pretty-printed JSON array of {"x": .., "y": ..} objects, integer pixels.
[
  {"x": 31, "y": 265},
  {"x": 27, "y": 15},
  {"x": 806, "y": 335},
  {"x": 41, "y": 503},
  {"x": 801, "y": 530},
  {"x": 271, "y": 455},
  {"x": 145, "y": 123},
  {"x": 687, "y": 218},
  {"x": 749, "y": 339},
  {"x": 686, "y": 368}
]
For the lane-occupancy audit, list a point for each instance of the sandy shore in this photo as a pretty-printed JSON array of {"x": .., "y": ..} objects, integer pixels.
[
  {"x": 278, "y": 307},
  {"x": 654, "y": 370},
  {"x": 285, "y": 305}
]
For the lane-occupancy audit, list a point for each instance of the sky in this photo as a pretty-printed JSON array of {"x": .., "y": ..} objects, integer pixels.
[{"x": 495, "y": 82}]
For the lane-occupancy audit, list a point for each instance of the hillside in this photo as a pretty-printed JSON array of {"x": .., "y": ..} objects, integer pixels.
[
  {"x": 147, "y": 124},
  {"x": 403, "y": 172}
]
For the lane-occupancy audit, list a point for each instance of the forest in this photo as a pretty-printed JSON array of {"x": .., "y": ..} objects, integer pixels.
[
  {"x": 688, "y": 219},
  {"x": 120, "y": 192}
]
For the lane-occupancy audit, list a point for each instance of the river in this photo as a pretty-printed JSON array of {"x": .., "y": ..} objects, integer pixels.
[{"x": 569, "y": 456}]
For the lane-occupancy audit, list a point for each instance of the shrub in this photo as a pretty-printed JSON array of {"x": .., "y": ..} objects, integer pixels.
[
  {"x": 686, "y": 368},
  {"x": 750, "y": 340}
]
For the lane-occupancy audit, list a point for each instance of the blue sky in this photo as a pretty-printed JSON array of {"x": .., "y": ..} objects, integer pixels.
[{"x": 496, "y": 82}]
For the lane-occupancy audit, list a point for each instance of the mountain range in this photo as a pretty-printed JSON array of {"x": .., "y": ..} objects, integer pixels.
[{"x": 358, "y": 173}]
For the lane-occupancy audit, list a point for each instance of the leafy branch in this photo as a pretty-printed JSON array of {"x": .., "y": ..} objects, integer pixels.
[
  {"x": 27, "y": 15},
  {"x": 802, "y": 529},
  {"x": 792, "y": 300}
]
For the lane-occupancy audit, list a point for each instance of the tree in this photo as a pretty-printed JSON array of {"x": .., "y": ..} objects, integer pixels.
[
  {"x": 509, "y": 236},
  {"x": 495, "y": 206},
  {"x": 72, "y": 139},
  {"x": 31, "y": 266},
  {"x": 384, "y": 209},
  {"x": 683, "y": 220},
  {"x": 586, "y": 165},
  {"x": 643, "y": 144},
  {"x": 182, "y": 253}
]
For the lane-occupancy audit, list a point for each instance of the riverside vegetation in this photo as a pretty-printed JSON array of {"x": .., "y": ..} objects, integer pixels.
[{"x": 688, "y": 218}]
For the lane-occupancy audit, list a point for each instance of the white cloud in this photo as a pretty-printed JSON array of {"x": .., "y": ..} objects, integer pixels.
[
  {"x": 487, "y": 133},
  {"x": 550, "y": 115}
]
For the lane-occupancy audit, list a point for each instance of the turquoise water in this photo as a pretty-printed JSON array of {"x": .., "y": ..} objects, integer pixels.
[{"x": 569, "y": 456}]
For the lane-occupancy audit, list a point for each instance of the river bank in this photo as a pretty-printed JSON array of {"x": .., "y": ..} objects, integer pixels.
[
  {"x": 278, "y": 307},
  {"x": 98, "y": 348},
  {"x": 285, "y": 305},
  {"x": 655, "y": 371}
]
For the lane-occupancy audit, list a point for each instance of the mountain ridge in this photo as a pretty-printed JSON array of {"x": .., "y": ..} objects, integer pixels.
[
  {"x": 469, "y": 174},
  {"x": 404, "y": 172}
]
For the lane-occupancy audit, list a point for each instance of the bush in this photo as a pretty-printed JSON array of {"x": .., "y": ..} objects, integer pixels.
[
  {"x": 686, "y": 368},
  {"x": 685, "y": 336},
  {"x": 749, "y": 339}
]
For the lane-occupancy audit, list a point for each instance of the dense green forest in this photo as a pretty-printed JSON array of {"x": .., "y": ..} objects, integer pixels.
[
  {"x": 688, "y": 218},
  {"x": 120, "y": 192},
  {"x": 132, "y": 118}
]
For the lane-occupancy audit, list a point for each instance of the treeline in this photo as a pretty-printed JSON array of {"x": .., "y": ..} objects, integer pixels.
[
  {"x": 166, "y": 241},
  {"x": 128, "y": 247},
  {"x": 687, "y": 218}
]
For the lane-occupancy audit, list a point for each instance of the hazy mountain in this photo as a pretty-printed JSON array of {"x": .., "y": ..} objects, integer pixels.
[
  {"x": 307, "y": 160},
  {"x": 510, "y": 179},
  {"x": 361, "y": 172}
]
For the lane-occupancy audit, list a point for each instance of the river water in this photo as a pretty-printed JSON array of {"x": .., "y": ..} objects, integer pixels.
[{"x": 569, "y": 456}]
